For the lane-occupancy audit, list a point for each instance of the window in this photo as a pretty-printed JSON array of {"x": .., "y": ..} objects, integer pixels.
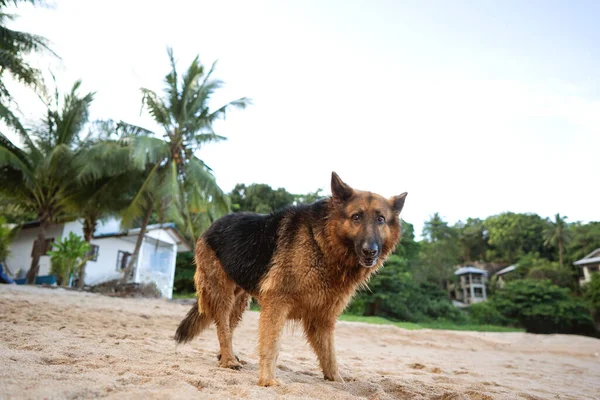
[
  {"x": 122, "y": 260},
  {"x": 47, "y": 246},
  {"x": 478, "y": 292},
  {"x": 93, "y": 253}
]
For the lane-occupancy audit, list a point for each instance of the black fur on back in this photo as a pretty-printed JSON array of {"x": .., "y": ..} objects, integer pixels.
[{"x": 245, "y": 242}]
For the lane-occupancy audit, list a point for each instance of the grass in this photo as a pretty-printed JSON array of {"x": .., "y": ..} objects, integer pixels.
[
  {"x": 430, "y": 325},
  {"x": 184, "y": 295},
  {"x": 445, "y": 325}
]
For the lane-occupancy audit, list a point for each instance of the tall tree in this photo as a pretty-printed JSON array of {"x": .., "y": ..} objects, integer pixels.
[
  {"x": 473, "y": 239},
  {"x": 14, "y": 47},
  {"x": 557, "y": 234},
  {"x": 439, "y": 251},
  {"x": 512, "y": 235},
  {"x": 259, "y": 197},
  {"x": 42, "y": 175},
  {"x": 177, "y": 181}
]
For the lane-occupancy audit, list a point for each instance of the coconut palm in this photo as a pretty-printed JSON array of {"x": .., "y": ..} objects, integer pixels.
[
  {"x": 14, "y": 46},
  {"x": 178, "y": 183},
  {"x": 42, "y": 175},
  {"x": 557, "y": 234}
]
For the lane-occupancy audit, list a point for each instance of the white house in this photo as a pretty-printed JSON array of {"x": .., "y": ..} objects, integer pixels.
[
  {"x": 111, "y": 249},
  {"x": 588, "y": 265}
]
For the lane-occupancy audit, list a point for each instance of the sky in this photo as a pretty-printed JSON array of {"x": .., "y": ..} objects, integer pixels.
[{"x": 472, "y": 107}]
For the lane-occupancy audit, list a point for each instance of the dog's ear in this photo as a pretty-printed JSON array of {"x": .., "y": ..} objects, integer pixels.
[
  {"x": 339, "y": 190},
  {"x": 397, "y": 202}
]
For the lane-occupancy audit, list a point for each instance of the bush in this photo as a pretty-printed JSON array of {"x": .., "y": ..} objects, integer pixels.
[
  {"x": 396, "y": 295},
  {"x": 67, "y": 257},
  {"x": 184, "y": 273},
  {"x": 591, "y": 294},
  {"x": 542, "y": 307},
  {"x": 486, "y": 314}
]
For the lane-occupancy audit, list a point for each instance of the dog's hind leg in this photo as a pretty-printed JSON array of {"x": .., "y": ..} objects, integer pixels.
[
  {"x": 320, "y": 337},
  {"x": 222, "y": 297},
  {"x": 240, "y": 305}
]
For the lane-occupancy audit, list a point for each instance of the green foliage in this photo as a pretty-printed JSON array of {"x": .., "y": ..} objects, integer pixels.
[
  {"x": 439, "y": 252},
  {"x": 176, "y": 181},
  {"x": 542, "y": 307},
  {"x": 408, "y": 248},
  {"x": 439, "y": 324},
  {"x": 6, "y": 237},
  {"x": 485, "y": 313},
  {"x": 395, "y": 294},
  {"x": 67, "y": 256},
  {"x": 513, "y": 235},
  {"x": 585, "y": 238},
  {"x": 42, "y": 176},
  {"x": 557, "y": 234},
  {"x": 184, "y": 273},
  {"x": 15, "y": 47},
  {"x": 259, "y": 197},
  {"x": 591, "y": 294},
  {"x": 472, "y": 239}
]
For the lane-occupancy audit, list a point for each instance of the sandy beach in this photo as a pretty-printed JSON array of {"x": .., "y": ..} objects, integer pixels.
[{"x": 60, "y": 344}]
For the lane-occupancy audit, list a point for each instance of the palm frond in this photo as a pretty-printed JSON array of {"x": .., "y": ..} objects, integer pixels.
[
  {"x": 158, "y": 110},
  {"x": 141, "y": 200}
]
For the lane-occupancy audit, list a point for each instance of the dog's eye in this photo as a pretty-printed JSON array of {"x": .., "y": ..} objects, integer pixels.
[
  {"x": 355, "y": 217},
  {"x": 381, "y": 219}
]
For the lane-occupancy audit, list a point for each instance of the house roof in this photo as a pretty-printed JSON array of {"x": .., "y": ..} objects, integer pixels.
[
  {"x": 470, "y": 270},
  {"x": 592, "y": 258},
  {"x": 182, "y": 243},
  {"x": 506, "y": 270}
]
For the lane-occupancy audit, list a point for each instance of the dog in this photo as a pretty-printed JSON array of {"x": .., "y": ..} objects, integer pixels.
[{"x": 301, "y": 263}]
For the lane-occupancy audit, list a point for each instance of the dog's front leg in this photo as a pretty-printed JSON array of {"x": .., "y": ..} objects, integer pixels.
[
  {"x": 320, "y": 335},
  {"x": 272, "y": 320}
]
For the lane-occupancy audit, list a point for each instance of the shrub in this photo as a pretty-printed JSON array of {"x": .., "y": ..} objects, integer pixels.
[
  {"x": 485, "y": 313},
  {"x": 542, "y": 307},
  {"x": 67, "y": 256},
  {"x": 591, "y": 294},
  {"x": 395, "y": 294}
]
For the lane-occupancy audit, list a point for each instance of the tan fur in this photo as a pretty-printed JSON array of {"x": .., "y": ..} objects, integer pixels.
[{"x": 302, "y": 286}]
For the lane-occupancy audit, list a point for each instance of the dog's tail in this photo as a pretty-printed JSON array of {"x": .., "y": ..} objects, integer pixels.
[{"x": 192, "y": 325}]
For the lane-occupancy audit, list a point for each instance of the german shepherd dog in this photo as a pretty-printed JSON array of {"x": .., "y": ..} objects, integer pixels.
[{"x": 301, "y": 263}]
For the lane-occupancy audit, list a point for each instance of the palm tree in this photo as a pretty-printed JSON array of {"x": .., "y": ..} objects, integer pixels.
[
  {"x": 557, "y": 234},
  {"x": 14, "y": 46},
  {"x": 178, "y": 183},
  {"x": 42, "y": 175}
]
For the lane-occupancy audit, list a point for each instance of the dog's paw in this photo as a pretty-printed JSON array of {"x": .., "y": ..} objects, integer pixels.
[
  {"x": 219, "y": 357},
  {"x": 268, "y": 382},
  {"x": 334, "y": 377},
  {"x": 231, "y": 363}
]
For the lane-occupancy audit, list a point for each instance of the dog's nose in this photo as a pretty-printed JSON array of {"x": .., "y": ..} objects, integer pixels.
[{"x": 370, "y": 250}]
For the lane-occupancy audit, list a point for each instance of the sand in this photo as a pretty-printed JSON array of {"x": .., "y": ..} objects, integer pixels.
[{"x": 60, "y": 344}]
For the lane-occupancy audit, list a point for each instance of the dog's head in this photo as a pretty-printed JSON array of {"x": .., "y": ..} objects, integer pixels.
[{"x": 368, "y": 224}]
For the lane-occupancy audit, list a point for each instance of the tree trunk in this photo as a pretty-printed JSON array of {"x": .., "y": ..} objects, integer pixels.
[
  {"x": 38, "y": 252},
  {"x": 560, "y": 252},
  {"x": 138, "y": 245},
  {"x": 89, "y": 226}
]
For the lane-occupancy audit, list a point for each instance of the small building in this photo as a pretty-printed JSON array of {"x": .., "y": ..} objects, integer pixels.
[
  {"x": 587, "y": 266},
  {"x": 471, "y": 285},
  {"x": 111, "y": 250},
  {"x": 501, "y": 275}
]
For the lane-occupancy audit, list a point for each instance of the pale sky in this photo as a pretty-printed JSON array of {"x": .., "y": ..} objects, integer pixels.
[{"x": 473, "y": 107}]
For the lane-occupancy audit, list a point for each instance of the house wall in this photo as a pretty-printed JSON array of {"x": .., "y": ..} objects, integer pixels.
[
  {"x": 105, "y": 268},
  {"x": 21, "y": 248},
  {"x": 157, "y": 264}
]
